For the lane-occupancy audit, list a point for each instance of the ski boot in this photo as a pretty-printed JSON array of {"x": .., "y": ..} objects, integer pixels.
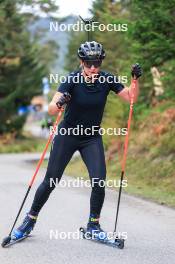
[
  {"x": 94, "y": 230},
  {"x": 25, "y": 228}
]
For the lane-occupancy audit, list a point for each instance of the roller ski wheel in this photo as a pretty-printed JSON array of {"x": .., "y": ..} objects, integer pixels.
[
  {"x": 115, "y": 243},
  {"x": 8, "y": 241},
  {"x": 120, "y": 243}
]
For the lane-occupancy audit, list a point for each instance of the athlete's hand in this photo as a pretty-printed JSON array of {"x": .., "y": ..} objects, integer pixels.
[
  {"x": 64, "y": 99},
  {"x": 136, "y": 71}
]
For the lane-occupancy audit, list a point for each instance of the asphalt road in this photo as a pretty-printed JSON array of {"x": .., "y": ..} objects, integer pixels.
[{"x": 150, "y": 228}]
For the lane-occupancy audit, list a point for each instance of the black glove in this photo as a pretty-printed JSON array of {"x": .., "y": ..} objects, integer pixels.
[
  {"x": 64, "y": 99},
  {"x": 136, "y": 70}
]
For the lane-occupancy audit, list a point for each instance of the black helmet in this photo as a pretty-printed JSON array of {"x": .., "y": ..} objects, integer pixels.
[{"x": 91, "y": 50}]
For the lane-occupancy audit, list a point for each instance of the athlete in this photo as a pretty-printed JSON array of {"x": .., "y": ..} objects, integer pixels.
[{"x": 89, "y": 88}]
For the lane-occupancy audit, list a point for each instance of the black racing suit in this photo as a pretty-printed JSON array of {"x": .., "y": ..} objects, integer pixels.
[{"x": 85, "y": 108}]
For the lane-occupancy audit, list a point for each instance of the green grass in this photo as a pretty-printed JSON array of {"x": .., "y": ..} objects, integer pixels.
[
  {"x": 150, "y": 167},
  {"x": 23, "y": 144},
  {"x": 143, "y": 180}
]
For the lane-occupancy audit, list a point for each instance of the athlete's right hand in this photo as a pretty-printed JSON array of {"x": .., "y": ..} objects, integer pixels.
[{"x": 64, "y": 99}]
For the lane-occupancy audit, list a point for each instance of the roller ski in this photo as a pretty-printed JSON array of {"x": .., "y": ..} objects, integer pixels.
[
  {"x": 102, "y": 238},
  {"x": 21, "y": 233},
  {"x": 94, "y": 232}
]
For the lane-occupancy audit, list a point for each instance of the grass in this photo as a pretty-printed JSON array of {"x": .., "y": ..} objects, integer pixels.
[
  {"x": 150, "y": 168},
  {"x": 142, "y": 179},
  {"x": 22, "y": 144}
]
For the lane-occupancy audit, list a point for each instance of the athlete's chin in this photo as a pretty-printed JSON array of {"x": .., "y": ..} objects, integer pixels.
[{"x": 93, "y": 73}]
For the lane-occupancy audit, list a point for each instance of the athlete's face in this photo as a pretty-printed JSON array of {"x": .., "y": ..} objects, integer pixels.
[{"x": 91, "y": 67}]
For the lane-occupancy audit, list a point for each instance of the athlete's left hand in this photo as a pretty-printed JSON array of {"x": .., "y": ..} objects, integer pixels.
[{"x": 136, "y": 71}]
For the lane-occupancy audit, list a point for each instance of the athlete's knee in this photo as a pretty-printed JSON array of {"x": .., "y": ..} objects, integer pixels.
[
  {"x": 98, "y": 182},
  {"x": 98, "y": 186},
  {"x": 47, "y": 185}
]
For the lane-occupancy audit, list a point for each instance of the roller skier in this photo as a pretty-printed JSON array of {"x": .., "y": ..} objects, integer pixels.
[{"x": 85, "y": 108}]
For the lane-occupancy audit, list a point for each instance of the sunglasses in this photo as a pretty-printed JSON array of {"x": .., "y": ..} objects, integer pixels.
[{"x": 95, "y": 63}]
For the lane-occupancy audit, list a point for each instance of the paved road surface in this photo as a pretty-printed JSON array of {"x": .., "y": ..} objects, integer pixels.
[{"x": 150, "y": 228}]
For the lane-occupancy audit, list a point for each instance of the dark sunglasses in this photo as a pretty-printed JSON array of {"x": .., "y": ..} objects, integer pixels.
[{"x": 95, "y": 63}]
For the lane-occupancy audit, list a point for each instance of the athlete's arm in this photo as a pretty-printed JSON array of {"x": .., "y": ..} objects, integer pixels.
[
  {"x": 53, "y": 108},
  {"x": 126, "y": 93}
]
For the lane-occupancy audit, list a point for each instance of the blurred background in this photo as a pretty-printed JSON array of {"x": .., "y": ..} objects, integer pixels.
[{"x": 30, "y": 52}]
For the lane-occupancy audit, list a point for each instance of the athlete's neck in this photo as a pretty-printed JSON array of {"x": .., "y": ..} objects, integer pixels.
[{"x": 89, "y": 78}]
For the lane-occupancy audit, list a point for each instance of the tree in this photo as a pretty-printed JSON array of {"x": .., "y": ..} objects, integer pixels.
[
  {"x": 21, "y": 66},
  {"x": 153, "y": 38}
]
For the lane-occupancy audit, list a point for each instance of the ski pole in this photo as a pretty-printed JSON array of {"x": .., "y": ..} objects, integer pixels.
[
  {"x": 133, "y": 86},
  {"x": 65, "y": 98},
  {"x": 38, "y": 167}
]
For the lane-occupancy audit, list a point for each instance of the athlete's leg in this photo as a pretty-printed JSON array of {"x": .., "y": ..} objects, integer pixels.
[
  {"x": 62, "y": 150},
  {"x": 92, "y": 153}
]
